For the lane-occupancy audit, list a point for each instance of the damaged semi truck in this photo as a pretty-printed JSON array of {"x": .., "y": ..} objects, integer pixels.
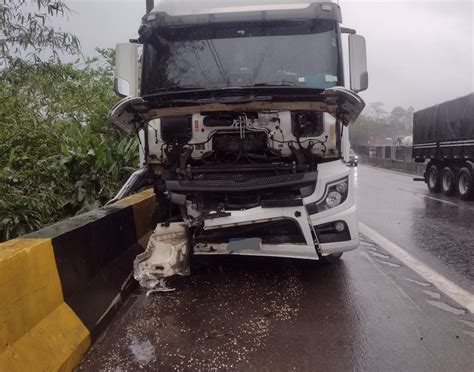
[
  {"x": 241, "y": 112},
  {"x": 443, "y": 138}
]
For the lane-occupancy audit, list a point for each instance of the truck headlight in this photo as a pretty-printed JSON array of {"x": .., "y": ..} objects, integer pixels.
[
  {"x": 333, "y": 199},
  {"x": 336, "y": 194},
  {"x": 342, "y": 188}
]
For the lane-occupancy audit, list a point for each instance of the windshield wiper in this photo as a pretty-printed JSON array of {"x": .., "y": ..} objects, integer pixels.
[
  {"x": 176, "y": 88},
  {"x": 283, "y": 83}
]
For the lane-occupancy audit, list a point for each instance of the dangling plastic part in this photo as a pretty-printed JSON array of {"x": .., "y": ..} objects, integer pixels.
[
  {"x": 167, "y": 254},
  {"x": 161, "y": 287}
]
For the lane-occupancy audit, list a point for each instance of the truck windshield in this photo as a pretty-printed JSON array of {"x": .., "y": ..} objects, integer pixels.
[{"x": 291, "y": 53}]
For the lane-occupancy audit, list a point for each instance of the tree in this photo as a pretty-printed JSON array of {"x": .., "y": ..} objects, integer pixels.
[
  {"x": 374, "y": 126},
  {"x": 397, "y": 118},
  {"x": 409, "y": 119},
  {"x": 58, "y": 154},
  {"x": 26, "y": 33},
  {"x": 376, "y": 110}
]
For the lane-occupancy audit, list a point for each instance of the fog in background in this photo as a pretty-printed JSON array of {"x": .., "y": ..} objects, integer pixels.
[{"x": 419, "y": 52}]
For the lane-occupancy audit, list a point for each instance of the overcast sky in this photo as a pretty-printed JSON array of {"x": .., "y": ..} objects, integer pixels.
[{"x": 420, "y": 52}]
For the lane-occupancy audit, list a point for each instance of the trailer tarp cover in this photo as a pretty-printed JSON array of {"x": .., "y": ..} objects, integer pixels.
[{"x": 448, "y": 121}]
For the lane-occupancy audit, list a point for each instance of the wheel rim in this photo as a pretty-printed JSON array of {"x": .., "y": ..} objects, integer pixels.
[
  {"x": 432, "y": 180},
  {"x": 464, "y": 184},
  {"x": 447, "y": 181}
]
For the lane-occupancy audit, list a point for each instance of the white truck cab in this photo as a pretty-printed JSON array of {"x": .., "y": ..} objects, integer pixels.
[{"x": 241, "y": 110}]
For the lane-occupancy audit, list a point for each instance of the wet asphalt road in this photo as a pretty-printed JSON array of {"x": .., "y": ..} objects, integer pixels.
[
  {"x": 438, "y": 230},
  {"x": 369, "y": 312}
]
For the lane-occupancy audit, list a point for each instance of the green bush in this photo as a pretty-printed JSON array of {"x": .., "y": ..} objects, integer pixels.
[{"x": 58, "y": 154}]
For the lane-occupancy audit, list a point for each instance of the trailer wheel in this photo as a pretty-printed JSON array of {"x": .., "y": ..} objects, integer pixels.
[
  {"x": 465, "y": 184},
  {"x": 433, "y": 179},
  {"x": 332, "y": 258},
  {"x": 448, "y": 184}
]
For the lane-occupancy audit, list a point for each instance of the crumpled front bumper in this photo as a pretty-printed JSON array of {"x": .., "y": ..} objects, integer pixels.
[{"x": 255, "y": 247}]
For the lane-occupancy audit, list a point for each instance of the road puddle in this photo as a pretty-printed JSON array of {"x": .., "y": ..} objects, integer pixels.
[
  {"x": 367, "y": 244},
  {"x": 469, "y": 333},
  {"x": 380, "y": 255},
  {"x": 143, "y": 351},
  {"x": 446, "y": 307},
  {"x": 417, "y": 282},
  {"x": 388, "y": 263},
  {"x": 435, "y": 295},
  {"x": 467, "y": 322}
]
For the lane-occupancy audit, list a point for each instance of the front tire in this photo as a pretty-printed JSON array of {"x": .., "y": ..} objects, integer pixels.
[
  {"x": 433, "y": 179},
  {"x": 162, "y": 209},
  {"x": 465, "y": 184},
  {"x": 333, "y": 258},
  {"x": 448, "y": 182}
]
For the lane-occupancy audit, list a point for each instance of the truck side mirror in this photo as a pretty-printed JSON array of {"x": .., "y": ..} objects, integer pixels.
[
  {"x": 126, "y": 70},
  {"x": 358, "y": 63}
]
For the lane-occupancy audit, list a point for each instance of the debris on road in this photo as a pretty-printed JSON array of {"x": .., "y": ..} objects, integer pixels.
[{"x": 166, "y": 255}]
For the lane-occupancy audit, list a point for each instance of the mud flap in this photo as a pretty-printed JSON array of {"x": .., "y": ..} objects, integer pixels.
[{"x": 167, "y": 254}]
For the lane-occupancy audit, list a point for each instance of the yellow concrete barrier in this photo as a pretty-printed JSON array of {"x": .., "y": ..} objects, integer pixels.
[
  {"x": 59, "y": 285},
  {"x": 38, "y": 331}
]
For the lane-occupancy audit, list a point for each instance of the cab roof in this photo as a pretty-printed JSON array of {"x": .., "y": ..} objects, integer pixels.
[
  {"x": 182, "y": 13},
  {"x": 193, "y": 7}
]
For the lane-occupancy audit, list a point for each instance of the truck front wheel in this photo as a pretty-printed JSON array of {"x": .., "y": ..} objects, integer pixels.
[
  {"x": 332, "y": 258},
  {"x": 465, "y": 184},
  {"x": 448, "y": 185},
  {"x": 433, "y": 179}
]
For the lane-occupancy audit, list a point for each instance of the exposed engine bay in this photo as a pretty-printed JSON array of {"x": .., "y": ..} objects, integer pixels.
[
  {"x": 243, "y": 177},
  {"x": 237, "y": 160},
  {"x": 242, "y": 138}
]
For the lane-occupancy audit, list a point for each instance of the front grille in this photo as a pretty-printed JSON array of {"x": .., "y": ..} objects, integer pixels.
[{"x": 255, "y": 183}]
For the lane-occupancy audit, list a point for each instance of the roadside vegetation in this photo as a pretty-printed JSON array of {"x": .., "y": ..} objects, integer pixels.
[
  {"x": 58, "y": 154},
  {"x": 376, "y": 126}
]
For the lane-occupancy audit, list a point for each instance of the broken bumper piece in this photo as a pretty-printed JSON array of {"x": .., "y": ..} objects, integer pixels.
[{"x": 167, "y": 254}]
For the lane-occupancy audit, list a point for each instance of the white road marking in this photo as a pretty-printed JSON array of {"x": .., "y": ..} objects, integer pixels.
[
  {"x": 440, "y": 200},
  {"x": 417, "y": 195},
  {"x": 450, "y": 289}
]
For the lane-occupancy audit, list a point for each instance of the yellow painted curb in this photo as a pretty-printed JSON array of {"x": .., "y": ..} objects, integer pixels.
[
  {"x": 143, "y": 205},
  {"x": 38, "y": 331},
  {"x": 56, "y": 343}
]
